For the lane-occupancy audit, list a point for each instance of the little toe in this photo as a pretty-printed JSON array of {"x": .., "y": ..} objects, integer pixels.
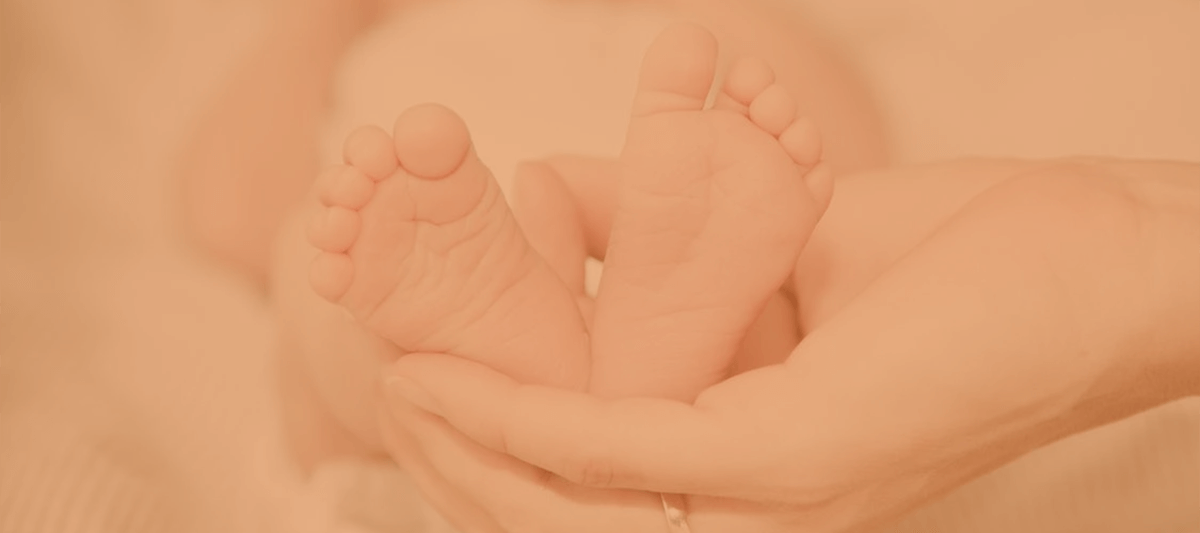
[
  {"x": 773, "y": 109},
  {"x": 334, "y": 229},
  {"x": 347, "y": 187},
  {"x": 802, "y": 142},
  {"x": 431, "y": 141},
  {"x": 370, "y": 150},
  {"x": 330, "y": 275},
  {"x": 677, "y": 71},
  {"x": 747, "y": 78}
]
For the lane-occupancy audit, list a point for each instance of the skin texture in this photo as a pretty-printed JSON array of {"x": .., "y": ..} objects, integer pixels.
[
  {"x": 402, "y": 247},
  {"x": 803, "y": 300},
  {"x": 429, "y": 256},
  {"x": 891, "y": 399},
  {"x": 119, "y": 341},
  {"x": 417, "y": 244},
  {"x": 713, "y": 208},
  {"x": 343, "y": 381}
]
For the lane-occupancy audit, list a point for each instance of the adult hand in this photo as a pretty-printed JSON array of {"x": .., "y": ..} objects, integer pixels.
[{"x": 999, "y": 317}]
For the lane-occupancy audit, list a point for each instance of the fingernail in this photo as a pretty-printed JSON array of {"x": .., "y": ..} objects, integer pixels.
[{"x": 409, "y": 391}]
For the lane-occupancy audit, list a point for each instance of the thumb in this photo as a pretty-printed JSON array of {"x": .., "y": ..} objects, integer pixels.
[{"x": 637, "y": 443}]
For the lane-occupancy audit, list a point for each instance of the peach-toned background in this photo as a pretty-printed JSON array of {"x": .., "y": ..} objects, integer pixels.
[{"x": 125, "y": 353}]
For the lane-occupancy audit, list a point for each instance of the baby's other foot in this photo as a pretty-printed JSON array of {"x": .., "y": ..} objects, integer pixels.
[
  {"x": 715, "y": 207},
  {"x": 419, "y": 245}
]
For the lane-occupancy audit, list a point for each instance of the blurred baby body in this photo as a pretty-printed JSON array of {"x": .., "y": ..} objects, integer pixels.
[{"x": 540, "y": 77}]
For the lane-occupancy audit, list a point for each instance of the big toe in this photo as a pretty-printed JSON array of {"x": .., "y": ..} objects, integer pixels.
[
  {"x": 431, "y": 141},
  {"x": 677, "y": 72},
  {"x": 434, "y": 147}
]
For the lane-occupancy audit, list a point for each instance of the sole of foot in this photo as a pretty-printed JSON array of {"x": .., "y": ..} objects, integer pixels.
[
  {"x": 417, "y": 242},
  {"x": 715, "y": 205}
]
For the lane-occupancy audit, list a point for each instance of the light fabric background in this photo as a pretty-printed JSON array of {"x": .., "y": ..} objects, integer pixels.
[{"x": 134, "y": 385}]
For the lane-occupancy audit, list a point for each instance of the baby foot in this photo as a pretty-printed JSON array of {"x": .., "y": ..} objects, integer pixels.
[
  {"x": 419, "y": 245},
  {"x": 715, "y": 207}
]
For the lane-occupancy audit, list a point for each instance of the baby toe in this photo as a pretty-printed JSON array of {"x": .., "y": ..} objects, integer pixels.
[
  {"x": 747, "y": 78},
  {"x": 334, "y": 229},
  {"x": 346, "y": 187},
  {"x": 802, "y": 142},
  {"x": 330, "y": 275},
  {"x": 773, "y": 110},
  {"x": 370, "y": 150}
]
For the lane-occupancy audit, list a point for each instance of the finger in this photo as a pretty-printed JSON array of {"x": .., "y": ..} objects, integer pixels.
[
  {"x": 593, "y": 183},
  {"x": 520, "y": 497},
  {"x": 644, "y": 444},
  {"x": 550, "y": 221},
  {"x": 396, "y": 427}
]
